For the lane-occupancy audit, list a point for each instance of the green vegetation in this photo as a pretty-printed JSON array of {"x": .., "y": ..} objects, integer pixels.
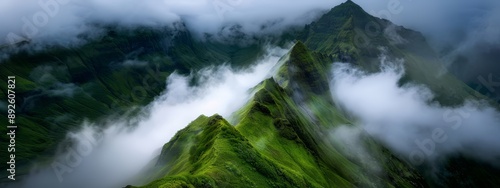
[
  {"x": 274, "y": 144},
  {"x": 56, "y": 89},
  {"x": 280, "y": 138}
]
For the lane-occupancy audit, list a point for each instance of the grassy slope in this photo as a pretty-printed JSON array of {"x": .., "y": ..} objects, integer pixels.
[
  {"x": 342, "y": 34},
  {"x": 287, "y": 125},
  {"x": 286, "y": 148},
  {"x": 103, "y": 85},
  {"x": 348, "y": 21}
]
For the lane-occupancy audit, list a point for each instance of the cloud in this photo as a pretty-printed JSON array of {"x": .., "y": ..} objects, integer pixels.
[
  {"x": 349, "y": 139},
  {"x": 405, "y": 119},
  {"x": 112, "y": 156},
  {"x": 446, "y": 20},
  {"x": 134, "y": 63},
  {"x": 63, "y": 90},
  {"x": 64, "y": 22},
  {"x": 454, "y": 27},
  {"x": 465, "y": 33}
]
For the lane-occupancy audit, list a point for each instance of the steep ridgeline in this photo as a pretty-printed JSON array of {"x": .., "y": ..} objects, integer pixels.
[
  {"x": 281, "y": 137},
  {"x": 276, "y": 142}
]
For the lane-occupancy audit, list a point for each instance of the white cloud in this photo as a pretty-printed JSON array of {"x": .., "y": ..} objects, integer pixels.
[
  {"x": 122, "y": 152},
  {"x": 61, "y": 21},
  {"x": 406, "y": 121}
]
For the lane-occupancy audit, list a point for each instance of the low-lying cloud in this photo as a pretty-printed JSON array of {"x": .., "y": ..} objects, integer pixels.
[
  {"x": 405, "y": 119},
  {"x": 112, "y": 156}
]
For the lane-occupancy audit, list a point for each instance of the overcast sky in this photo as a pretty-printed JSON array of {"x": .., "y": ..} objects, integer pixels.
[
  {"x": 466, "y": 28},
  {"x": 452, "y": 19},
  {"x": 61, "y": 21},
  {"x": 464, "y": 24}
]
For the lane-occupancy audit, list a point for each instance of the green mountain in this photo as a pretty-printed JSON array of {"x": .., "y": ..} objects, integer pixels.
[
  {"x": 58, "y": 88},
  {"x": 274, "y": 143},
  {"x": 280, "y": 138},
  {"x": 350, "y": 34}
]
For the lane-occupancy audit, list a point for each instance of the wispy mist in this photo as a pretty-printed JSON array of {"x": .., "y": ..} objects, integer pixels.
[
  {"x": 407, "y": 121},
  {"x": 66, "y": 21},
  {"x": 120, "y": 151},
  {"x": 456, "y": 28},
  {"x": 465, "y": 33}
]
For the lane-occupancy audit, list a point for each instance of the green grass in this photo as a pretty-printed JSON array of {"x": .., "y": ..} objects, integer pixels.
[
  {"x": 104, "y": 87},
  {"x": 279, "y": 139},
  {"x": 273, "y": 144}
]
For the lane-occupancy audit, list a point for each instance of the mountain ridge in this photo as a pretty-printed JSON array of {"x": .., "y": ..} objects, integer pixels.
[
  {"x": 303, "y": 74},
  {"x": 294, "y": 107}
]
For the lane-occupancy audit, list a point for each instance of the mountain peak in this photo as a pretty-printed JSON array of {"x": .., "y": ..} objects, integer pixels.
[
  {"x": 334, "y": 31},
  {"x": 350, "y": 3},
  {"x": 348, "y": 8}
]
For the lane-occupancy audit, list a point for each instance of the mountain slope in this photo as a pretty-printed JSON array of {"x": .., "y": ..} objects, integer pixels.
[
  {"x": 350, "y": 34},
  {"x": 276, "y": 139},
  {"x": 287, "y": 120},
  {"x": 281, "y": 138},
  {"x": 57, "y": 88}
]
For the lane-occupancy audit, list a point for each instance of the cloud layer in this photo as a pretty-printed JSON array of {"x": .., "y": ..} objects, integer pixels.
[
  {"x": 406, "y": 121},
  {"x": 454, "y": 27},
  {"x": 63, "y": 21}
]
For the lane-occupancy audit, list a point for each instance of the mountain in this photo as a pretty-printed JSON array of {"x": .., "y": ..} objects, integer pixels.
[
  {"x": 280, "y": 138},
  {"x": 210, "y": 152},
  {"x": 60, "y": 87},
  {"x": 350, "y": 34}
]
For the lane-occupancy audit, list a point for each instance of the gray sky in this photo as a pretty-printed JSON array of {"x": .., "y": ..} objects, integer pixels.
[
  {"x": 463, "y": 26},
  {"x": 446, "y": 20},
  {"x": 466, "y": 28},
  {"x": 60, "y": 21}
]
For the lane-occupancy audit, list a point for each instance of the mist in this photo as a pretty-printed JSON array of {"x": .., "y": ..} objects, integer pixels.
[
  {"x": 407, "y": 121},
  {"x": 66, "y": 22},
  {"x": 111, "y": 155},
  {"x": 466, "y": 34}
]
